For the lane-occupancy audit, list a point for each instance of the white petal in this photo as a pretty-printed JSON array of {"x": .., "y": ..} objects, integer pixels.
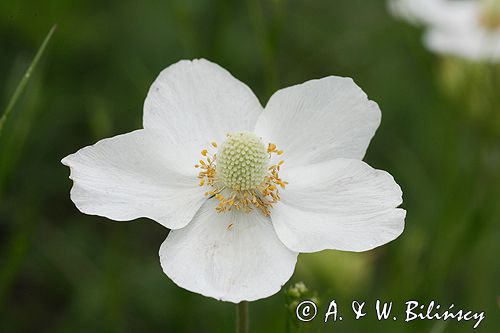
[
  {"x": 320, "y": 120},
  {"x": 473, "y": 43},
  {"x": 342, "y": 204},
  {"x": 442, "y": 13},
  {"x": 229, "y": 256},
  {"x": 138, "y": 174},
  {"x": 199, "y": 100}
]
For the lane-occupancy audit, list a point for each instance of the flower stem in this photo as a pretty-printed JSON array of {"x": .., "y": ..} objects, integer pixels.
[{"x": 242, "y": 317}]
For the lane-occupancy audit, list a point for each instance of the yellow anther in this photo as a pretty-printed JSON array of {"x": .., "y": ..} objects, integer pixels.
[
  {"x": 214, "y": 144},
  {"x": 202, "y": 182},
  {"x": 279, "y": 152},
  {"x": 281, "y": 162},
  {"x": 204, "y": 152},
  {"x": 271, "y": 147},
  {"x": 202, "y": 162}
]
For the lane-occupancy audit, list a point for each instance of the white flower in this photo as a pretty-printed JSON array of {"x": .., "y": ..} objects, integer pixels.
[
  {"x": 239, "y": 218},
  {"x": 468, "y": 29}
]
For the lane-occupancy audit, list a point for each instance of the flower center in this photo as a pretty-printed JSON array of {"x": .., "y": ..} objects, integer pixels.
[
  {"x": 242, "y": 161},
  {"x": 240, "y": 176},
  {"x": 490, "y": 14}
]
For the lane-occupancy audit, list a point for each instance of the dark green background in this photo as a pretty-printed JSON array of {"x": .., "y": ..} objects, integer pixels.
[{"x": 62, "y": 271}]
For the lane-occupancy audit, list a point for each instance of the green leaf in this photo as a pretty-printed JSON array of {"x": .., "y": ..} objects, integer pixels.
[{"x": 22, "y": 84}]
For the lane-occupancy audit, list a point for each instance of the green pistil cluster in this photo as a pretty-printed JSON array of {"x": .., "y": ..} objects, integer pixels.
[{"x": 242, "y": 161}]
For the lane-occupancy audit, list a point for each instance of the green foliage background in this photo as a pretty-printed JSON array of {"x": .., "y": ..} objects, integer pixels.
[{"x": 62, "y": 271}]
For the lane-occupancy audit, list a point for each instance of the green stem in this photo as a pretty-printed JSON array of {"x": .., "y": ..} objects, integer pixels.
[
  {"x": 22, "y": 84},
  {"x": 242, "y": 317}
]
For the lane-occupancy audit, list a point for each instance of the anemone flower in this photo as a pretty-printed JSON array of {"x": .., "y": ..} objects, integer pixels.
[
  {"x": 468, "y": 29},
  {"x": 243, "y": 189}
]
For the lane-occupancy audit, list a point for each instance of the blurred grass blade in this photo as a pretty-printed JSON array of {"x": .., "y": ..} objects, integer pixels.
[{"x": 22, "y": 84}]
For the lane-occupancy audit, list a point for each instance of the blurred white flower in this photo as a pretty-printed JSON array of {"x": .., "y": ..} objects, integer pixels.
[
  {"x": 240, "y": 216},
  {"x": 468, "y": 29}
]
